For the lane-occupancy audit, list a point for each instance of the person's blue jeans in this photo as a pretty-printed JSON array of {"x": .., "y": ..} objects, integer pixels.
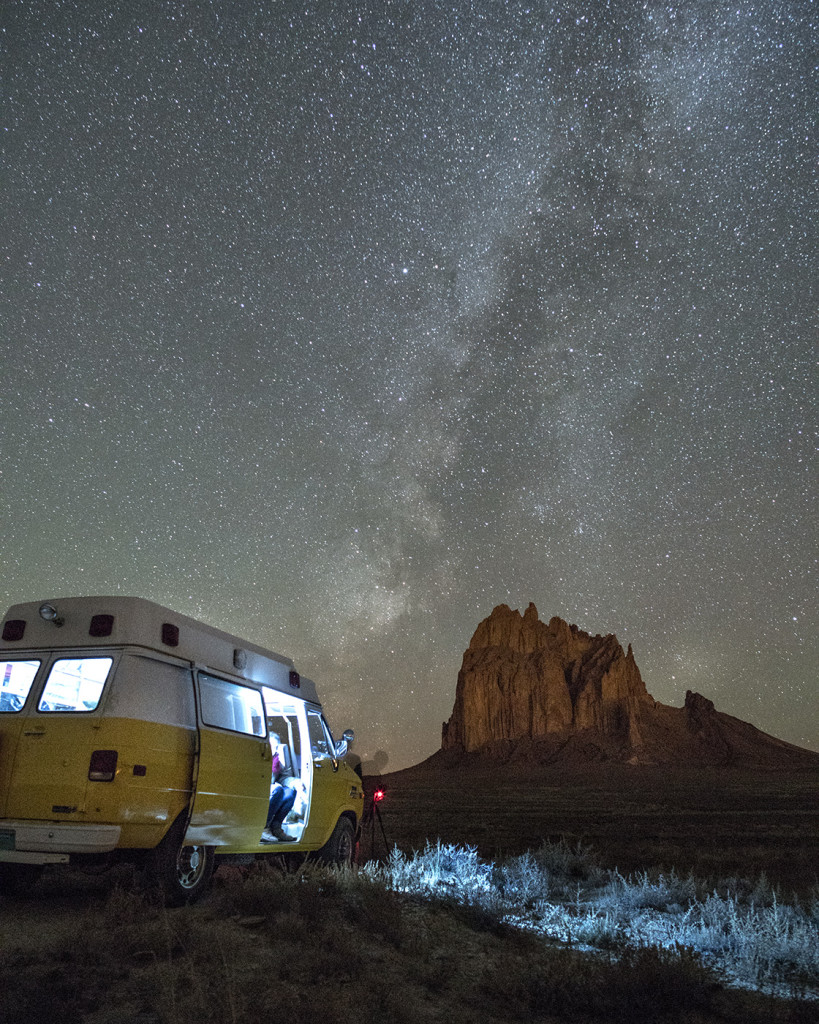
[{"x": 281, "y": 803}]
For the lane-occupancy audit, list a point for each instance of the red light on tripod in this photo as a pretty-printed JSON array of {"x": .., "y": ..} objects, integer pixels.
[{"x": 378, "y": 796}]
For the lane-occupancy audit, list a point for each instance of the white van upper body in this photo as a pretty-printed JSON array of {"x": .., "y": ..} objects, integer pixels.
[{"x": 133, "y": 621}]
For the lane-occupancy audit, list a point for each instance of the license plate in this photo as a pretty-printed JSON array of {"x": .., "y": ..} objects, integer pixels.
[{"x": 6, "y": 839}]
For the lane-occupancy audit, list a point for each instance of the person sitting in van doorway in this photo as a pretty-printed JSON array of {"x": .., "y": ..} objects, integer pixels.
[{"x": 282, "y": 799}]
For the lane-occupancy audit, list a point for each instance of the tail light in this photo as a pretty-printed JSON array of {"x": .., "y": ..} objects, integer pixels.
[
  {"x": 103, "y": 766},
  {"x": 378, "y": 796}
]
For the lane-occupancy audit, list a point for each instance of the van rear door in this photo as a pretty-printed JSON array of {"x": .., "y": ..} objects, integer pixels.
[
  {"x": 232, "y": 780},
  {"x": 58, "y": 733},
  {"x": 18, "y": 676}
]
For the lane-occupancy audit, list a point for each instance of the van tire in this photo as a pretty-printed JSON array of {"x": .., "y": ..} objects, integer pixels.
[
  {"x": 17, "y": 879},
  {"x": 340, "y": 847},
  {"x": 181, "y": 872}
]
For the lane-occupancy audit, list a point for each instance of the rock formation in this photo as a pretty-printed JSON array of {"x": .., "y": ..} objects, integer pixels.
[{"x": 552, "y": 692}]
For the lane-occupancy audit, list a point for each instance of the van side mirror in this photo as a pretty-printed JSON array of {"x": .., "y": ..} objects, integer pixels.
[{"x": 345, "y": 742}]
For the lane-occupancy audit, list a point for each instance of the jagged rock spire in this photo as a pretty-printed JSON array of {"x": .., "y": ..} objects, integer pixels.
[
  {"x": 523, "y": 678},
  {"x": 558, "y": 693}
]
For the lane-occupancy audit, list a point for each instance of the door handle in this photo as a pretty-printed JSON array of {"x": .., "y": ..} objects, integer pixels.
[{"x": 34, "y": 732}]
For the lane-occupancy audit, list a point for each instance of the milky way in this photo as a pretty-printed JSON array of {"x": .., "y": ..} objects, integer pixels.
[{"x": 337, "y": 325}]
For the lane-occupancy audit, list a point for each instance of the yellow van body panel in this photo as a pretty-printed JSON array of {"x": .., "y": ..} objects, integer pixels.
[
  {"x": 49, "y": 780},
  {"x": 11, "y": 728},
  {"x": 153, "y": 780},
  {"x": 332, "y": 796},
  {"x": 232, "y": 791},
  {"x": 50, "y": 773}
]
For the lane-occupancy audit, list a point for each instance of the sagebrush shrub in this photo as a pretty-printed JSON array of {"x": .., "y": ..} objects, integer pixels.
[{"x": 562, "y": 893}]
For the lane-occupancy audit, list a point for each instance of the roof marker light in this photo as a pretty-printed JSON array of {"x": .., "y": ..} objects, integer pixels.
[
  {"x": 101, "y": 625},
  {"x": 13, "y": 629},
  {"x": 170, "y": 634}
]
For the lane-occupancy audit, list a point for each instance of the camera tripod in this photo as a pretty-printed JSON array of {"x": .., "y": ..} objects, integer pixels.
[{"x": 372, "y": 813}]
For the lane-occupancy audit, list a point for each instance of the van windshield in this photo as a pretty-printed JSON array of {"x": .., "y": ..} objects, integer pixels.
[
  {"x": 17, "y": 679},
  {"x": 75, "y": 684}
]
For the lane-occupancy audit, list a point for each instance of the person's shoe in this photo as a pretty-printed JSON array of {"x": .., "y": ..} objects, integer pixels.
[
  {"x": 281, "y": 835},
  {"x": 268, "y": 836}
]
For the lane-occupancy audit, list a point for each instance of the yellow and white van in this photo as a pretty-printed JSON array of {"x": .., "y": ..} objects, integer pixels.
[{"x": 129, "y": 731}]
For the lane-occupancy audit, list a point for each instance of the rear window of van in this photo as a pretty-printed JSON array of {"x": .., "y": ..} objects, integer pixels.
[
  {"x": 17, "y": 677},
  {"x": 75, "y": 684}
]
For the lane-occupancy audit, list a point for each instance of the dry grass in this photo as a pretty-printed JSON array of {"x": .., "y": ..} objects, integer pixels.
[{"x": 267, "y": 944}]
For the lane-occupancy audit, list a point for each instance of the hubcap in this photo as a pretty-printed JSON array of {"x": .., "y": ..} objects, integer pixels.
[
  {"x": 190, "y": 865},
  {"x": 345, "y": 847}
]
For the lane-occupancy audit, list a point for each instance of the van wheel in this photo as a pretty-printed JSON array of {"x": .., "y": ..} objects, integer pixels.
[
  {"x": 340, "y": 847},
  {"x": 181, "y": 872},
  {"x": 17, "y": 879}
]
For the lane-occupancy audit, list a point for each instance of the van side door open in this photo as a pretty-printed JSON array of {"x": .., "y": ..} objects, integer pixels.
[
  {"x": 232, "y": 774},
  {"x": 330, "y": 787},
  {"x": 287, "y": 724}
]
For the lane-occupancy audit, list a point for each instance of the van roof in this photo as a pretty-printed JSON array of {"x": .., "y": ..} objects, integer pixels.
[{"x": 116, "y": 621}]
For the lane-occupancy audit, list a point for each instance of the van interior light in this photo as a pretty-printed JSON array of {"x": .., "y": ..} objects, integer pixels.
[{"x": 50, "y": 614}]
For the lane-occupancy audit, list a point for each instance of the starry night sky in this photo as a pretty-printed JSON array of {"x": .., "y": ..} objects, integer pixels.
[{"x": 336, "y": 325}]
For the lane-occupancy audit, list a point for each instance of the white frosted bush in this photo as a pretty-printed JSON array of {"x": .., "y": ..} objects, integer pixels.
[
  {"x": 523, "y": 879},
  {"x": 440, "y": 869},
  {"x": 773, "y": 947},
  {"x": 629, "y": 894}
]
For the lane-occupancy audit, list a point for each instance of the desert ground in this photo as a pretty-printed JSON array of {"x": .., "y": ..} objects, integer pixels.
[{"x": 716, "y": 822}]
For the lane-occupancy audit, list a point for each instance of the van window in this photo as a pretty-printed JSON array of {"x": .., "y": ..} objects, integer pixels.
[
  {"x": 75, "y": 684},
  {"x": 320, "y": 741},
  {"x": 283, "y": 721},
  {"x": 17, "y": 679},
  {"x": 231, "y": 706},
  {"x": 152, "y": 691},
  {"x": 331, "y": 742}
]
